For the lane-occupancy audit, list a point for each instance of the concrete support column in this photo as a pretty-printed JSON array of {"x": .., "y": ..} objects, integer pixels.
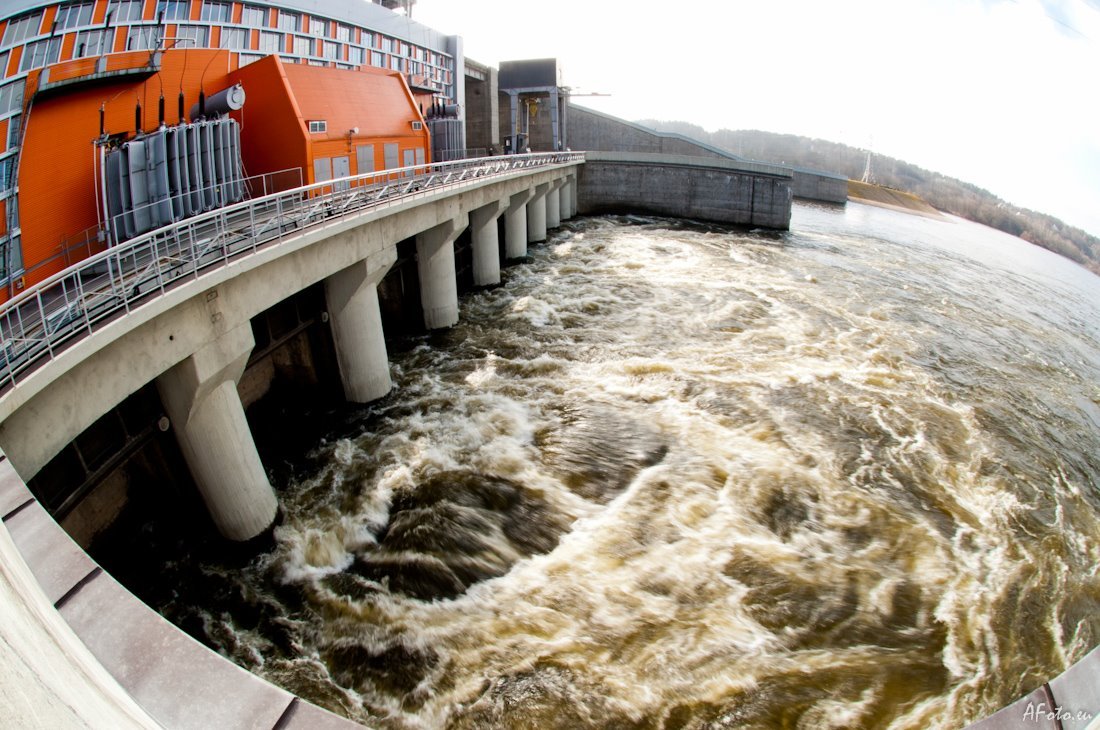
[
  {"x": 536, "y": 215},
  {"x": 435, "y": 262},
  {"x": 565, "y": 199},
  {"x": 352, "y": 298},
  {"x": 200, "y": 395},
  {"x": 486, "y": 243},
  {"x": 553, "y": 205},
  {"x": 515, "y": 225}
]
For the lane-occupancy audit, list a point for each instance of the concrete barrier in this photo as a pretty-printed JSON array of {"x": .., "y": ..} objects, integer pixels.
[{"x": 708, "y": 189}]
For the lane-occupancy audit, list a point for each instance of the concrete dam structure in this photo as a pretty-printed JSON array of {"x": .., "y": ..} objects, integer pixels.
[
  {"x": 186, "y": 326},
  {"x": 179, "y": 307},
  {"x": 155, "y": 351}
]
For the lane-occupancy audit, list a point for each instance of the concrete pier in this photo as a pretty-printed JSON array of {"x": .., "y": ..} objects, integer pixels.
[
  {"x": 486, "y": 243},
  {"x": 200, "y": 395},
  {"x": 553, "y": 205},
  {"x": 435, "y": 260},
  {"x": 352, "y": 298},
  {"x": 536, "y": 215},
  {"x": 515, "y": 225},
  {"x": 565, "y": 198}
]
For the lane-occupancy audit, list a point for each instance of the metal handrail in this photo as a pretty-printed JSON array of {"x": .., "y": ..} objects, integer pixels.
[{"x": 44, "y": 319}]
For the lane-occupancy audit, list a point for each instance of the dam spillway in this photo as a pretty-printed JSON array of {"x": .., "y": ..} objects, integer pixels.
[{"x": 640, "y": 524}]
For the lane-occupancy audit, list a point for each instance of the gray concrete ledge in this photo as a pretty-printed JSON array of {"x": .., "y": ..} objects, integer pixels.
[{"x": 79, "y": 650}]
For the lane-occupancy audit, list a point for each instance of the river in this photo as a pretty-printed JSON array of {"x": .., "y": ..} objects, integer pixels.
[{"x": 673, "y": 475}]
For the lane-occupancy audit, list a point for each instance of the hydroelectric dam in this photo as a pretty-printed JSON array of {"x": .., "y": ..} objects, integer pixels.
[{"x": 169, "y": 317}]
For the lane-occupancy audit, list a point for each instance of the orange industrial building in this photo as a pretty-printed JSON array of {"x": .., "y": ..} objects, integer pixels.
[{"x": 121, "y": 115}]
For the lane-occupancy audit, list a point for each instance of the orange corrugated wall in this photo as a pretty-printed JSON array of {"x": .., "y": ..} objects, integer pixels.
[
  {"x": 272, "y": 135},
  {"x": 56, "y": 170},
  {"x": 375, "y": 101}
]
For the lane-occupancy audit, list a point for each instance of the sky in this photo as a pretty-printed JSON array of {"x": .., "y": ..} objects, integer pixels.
[{"x": 1004, "y": 94}]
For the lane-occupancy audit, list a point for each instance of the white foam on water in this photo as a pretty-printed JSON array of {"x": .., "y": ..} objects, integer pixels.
[{"x": 825, "y": 508}]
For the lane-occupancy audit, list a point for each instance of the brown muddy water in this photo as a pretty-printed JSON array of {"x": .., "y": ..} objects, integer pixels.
[{"x": 671, "y": 475}]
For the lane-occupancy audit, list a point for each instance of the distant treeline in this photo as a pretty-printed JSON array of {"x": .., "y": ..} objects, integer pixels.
[{"x": 945, "y": 193}]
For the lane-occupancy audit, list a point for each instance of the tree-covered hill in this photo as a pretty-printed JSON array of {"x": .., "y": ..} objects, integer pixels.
[{"x": 945, "y": 193}]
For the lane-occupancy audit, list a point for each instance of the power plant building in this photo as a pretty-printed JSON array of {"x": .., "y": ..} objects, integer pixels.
[{"x": 118, "y": 116}]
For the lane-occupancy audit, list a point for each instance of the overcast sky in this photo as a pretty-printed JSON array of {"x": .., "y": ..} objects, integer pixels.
[{"x": 1004, "y": 94}]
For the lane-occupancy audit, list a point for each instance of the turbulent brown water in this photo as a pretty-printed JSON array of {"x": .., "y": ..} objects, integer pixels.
[{"x": 671, "y": 475}]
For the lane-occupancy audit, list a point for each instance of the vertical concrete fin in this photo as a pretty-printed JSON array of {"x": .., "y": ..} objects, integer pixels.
[
  {"x": 486, "y": 243},
  {"x": 515, "y": 225},
  {"x": 352, "y": 299},
  {"x": 435, "y": 263},
  {"x": 536, "y": 214},
  {"x": 200, "y": 395}
]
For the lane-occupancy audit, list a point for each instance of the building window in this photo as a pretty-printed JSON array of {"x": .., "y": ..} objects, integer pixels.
[
  {"x": 386, "y": 44},
  {"x": 395, "y": 63},
  {"x": 216, "y": 12},
  {"x": 367, "y": 39},
  {"x": 271, "y": 43},
  {"x": 246, "y": 58},
  {"x": 193, "y": 36},
  {"x": 377, "y": 60},
  {"x": 40, "y": 53},
  {"x": 302, "y": 46},
  {"x": 318, "y": 126},
  {"x": 356, "y": 56},
  {"x": 93, "y": 42},
  {"x": 343, "y": 33},
  {"x": 15, "y": 126},
  {"x": 254, "y": 16},
  {"x": 20, "y": 29},
  {"x": 317, "y": 26},
  {"x": 11, "y": 97},
  {"x": 73, "y": 15},
  {"x": 290, "y": 21},
  {"x": 143, "y": 38},
  {"x": 174, "y": 10},
  {"x": 236, "y": 39},
  {"x": 123, "y": 11},
  {"x": 330, "y": 50}
]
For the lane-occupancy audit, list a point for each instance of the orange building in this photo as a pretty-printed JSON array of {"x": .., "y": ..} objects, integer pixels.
[{"x": 324, "y": 97}]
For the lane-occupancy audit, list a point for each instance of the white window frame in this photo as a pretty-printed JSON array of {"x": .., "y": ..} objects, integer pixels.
[
  {"x": 216, "y": 11},
  {"x": 73, "y": 15},
  {"x": 133, "y": 10}
]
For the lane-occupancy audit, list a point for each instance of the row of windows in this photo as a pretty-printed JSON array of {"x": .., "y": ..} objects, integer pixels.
[
  {"x": 96, "y": 42},
  {"x": 78, "y": 14}
]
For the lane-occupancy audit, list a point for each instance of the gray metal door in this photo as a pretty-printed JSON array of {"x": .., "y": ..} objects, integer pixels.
[
  {"x": 341, "y": 167},
  {"x": 410, "y": 160},
  {"x": 364, "y": 158},
  {"x": 389, "y": 153},
  {"x": 322, "y": 169}
]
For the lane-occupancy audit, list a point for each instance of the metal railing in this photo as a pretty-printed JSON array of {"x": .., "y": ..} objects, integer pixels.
[{"x": 44, "y": 320}]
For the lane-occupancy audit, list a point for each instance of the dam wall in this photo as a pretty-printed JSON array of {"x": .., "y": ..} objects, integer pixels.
[
  {"x": 595, "y": 131},
  {"x": 83, "y": 650},
  {"x": 714, "y": 189}
]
